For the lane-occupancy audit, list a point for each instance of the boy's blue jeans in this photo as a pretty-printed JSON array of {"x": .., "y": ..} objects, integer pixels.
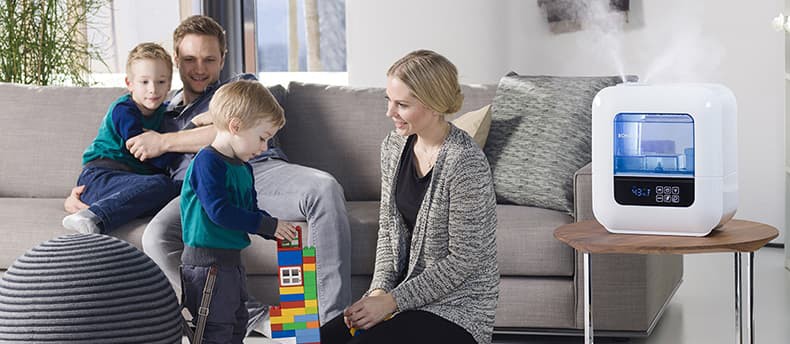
[
  {"x": 227, "y": 315},
  {"x": 118, "y": 197}
]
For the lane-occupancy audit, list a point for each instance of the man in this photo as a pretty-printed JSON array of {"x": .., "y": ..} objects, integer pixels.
[{"x": 292, "y": 192}]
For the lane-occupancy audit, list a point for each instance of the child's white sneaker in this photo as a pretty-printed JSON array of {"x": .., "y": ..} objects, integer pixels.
[{"x": 83, "y": 221}]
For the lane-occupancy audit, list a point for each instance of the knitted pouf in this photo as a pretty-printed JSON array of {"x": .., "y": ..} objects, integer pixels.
[{"x": 87, "y": 288}]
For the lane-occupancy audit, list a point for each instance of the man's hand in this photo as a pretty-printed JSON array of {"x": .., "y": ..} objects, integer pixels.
[
  {"x": 369, "y": 311},
  {"x": 203, "y": 119},
  {"x": 73, "y": 203},
  {"x": 147, "y": 145}
]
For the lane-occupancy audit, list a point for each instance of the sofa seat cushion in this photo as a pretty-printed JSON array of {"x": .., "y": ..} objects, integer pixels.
[
  {"x": 28, "y": 222},
  {"x": 526, "y": 245}
]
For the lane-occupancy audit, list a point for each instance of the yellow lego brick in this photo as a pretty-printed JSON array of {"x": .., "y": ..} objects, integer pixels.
[
  {"x": 284, "y": 319},
  {"x": 293, "y": 311},
  {"x": 291, "y": 290},
  {"x": 310, "y": 303},
  {"x": 309, "y": 267}
]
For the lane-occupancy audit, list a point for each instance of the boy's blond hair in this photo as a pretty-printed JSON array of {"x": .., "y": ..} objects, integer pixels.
[
  {"x": 432, "y": 79},
  {"x": 200, "y": 25},
  {"x": 249, "y": 102},
  {"x": 149, "y": 51}
]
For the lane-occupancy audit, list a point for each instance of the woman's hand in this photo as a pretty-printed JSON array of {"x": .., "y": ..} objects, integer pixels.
[{"x": 369, "y": 311}]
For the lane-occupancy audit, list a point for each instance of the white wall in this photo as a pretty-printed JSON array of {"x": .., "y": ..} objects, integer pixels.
[
  {"x": 131, "y": 23},
  {"x": 729, "y": 42}
]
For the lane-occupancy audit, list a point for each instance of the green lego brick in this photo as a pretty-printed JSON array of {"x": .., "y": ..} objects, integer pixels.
[
  {"x": 309, "y": 278},
  {"x": 309, "y": 293},
  {"x": 308, "y": 251},
  {"x": 295, "y": 326},
  {"x": 311, "y": 310}
]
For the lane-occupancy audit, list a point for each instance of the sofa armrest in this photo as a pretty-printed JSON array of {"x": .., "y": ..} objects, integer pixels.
[{"x": 582, "y": 194}]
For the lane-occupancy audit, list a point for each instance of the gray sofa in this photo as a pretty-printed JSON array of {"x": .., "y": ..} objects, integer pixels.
[{"x": 338, "y": 130}]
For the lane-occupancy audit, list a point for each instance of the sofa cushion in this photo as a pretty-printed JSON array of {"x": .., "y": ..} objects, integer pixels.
[
  {"x": 47, "y": 135},
  {"x": 476, "y": 123},
  {"x": 526, "y": 245},
  {"x": 540, "y": 135},
  {"x": 28, "y": 222},
  {"x": 332, "y": 128}
]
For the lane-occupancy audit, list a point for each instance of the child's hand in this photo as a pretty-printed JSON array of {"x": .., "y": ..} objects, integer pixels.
[
  {"x": 202, "y": 119},
  {"x": 285, "y": 231}
]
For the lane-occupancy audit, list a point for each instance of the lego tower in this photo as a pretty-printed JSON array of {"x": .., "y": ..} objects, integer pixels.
[{"x": 295, "y": 321}]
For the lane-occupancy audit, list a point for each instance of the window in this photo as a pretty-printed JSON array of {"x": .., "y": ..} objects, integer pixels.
[
  {"x": 301, "y": 35},
  {"x": 290, "y": 276}
]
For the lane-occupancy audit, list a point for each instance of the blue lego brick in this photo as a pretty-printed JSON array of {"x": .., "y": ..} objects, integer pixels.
[
  {"x": 310, "y": 335},
  {"x": 291, "y": 297},
  {"x": 289, "y": 258},
  {"x": 306, "y": 318},
  {"x": 283, "y": 334}
]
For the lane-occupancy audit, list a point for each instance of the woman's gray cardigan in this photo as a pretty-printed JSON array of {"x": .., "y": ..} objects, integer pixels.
[{"x": 452, "y": 265}]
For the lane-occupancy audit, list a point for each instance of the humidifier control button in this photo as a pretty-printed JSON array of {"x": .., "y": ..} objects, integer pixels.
[
  {"x": 659, "y": 190},
  {"x": 659, "y": 198},
  {"x": 668, "y": 190},
  {"x": 675, "y": 190},
  {"x": 675, "y": 199},
  {"x": 667, "y": 198}
]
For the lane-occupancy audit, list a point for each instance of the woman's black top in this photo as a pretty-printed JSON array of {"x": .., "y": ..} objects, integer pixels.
[{"x": 410, "y": 188}]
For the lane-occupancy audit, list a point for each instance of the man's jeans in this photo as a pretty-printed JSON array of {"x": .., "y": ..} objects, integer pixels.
[
  {"x": 118, "y": 197},
  {"x": 292, "y": 193}
]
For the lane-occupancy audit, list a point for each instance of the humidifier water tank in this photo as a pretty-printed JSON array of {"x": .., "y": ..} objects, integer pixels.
[{"x": 664, "y": 158}]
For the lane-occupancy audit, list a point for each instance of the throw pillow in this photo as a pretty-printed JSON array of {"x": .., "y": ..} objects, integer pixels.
[
  {"x": 476, "y": 123},
  {"x": 540, "y": 135}
]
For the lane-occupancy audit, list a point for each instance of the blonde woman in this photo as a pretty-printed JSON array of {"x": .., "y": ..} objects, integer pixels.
[{"x": 436, "y": 277}]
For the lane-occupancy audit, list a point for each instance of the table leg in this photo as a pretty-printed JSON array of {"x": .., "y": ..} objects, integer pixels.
[
  {"x": 738, "y": 299},
  {"x": 749, "y": 290},
  {"x": 588, "y": 321}
]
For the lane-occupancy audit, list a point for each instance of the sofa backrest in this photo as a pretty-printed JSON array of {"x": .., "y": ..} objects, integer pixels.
[
  {"x": 43, "y": 132},
  {"x": 339, "y": 130},
  {"x": 336, "y": 129}
]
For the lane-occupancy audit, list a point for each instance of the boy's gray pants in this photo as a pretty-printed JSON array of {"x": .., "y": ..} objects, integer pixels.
[
  {"x": 227, "y": 315},
  {"x": 289, "y": 192}
]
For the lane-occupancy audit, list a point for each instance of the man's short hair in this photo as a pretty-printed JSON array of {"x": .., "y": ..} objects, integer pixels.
[
  {"x": 148, "y": 51},
  {"x": 248, "y": 101},
  {"x": 200, "y": 25}
]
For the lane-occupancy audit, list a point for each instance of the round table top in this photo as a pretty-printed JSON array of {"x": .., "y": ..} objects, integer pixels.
[{"x": 734, "y": 236}]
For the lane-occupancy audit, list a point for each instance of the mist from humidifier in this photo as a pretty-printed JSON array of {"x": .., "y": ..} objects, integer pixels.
[
  {"x": 680, "y": 52},
  {"x": 606, "y": 28}
]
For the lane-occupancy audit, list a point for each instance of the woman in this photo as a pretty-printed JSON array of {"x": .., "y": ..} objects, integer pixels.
[{"x": 436, "y": 272}]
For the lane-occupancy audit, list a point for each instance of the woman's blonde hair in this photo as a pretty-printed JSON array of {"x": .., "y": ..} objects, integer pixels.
[
  {"x": 249, "y": 102},
  {"x": 432, "y": 79}
]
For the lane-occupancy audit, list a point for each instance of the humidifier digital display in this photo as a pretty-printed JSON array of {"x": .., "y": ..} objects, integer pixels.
[{"x": 653, "y": 159}]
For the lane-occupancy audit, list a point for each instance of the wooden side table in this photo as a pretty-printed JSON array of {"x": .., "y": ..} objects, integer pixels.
[{"x": 738, "y": 236}]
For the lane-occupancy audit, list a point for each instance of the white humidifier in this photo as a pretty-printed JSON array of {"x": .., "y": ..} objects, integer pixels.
[{"x": 664, "y": 158}]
